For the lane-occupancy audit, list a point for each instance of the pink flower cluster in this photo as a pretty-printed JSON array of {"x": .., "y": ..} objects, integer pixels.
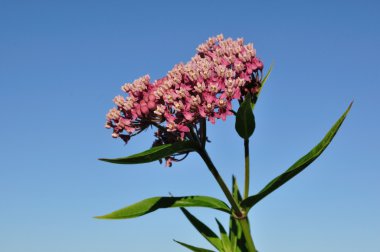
[{"x": 204, "y": 88}]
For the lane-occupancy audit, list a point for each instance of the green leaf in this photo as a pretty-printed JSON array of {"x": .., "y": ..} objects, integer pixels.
[
  {"x": 237, "y": 238},
  {"x": 154, "y": 153},
  {"x": 262, "y": 85},
  {"x": 266, "y": 76},
  {"x": 298, "y": 166},
  {"x": 205, "y": 231},
  {"x": 152, "y": 204},
  {"x": 235, "y": 190},
  {"x": 235, "y": 231},
  {"x": 224, "y": 237},
  {"x": 192, "y": 248},
  {"x": 245, "y": 120}
]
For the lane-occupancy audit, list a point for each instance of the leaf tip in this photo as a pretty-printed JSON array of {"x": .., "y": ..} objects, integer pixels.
[
  {"x": 218, "y": 222},
  {"x": 105, "y": 217},
  {"x": 108, "y": 160},
  {"x": 349, "y": 107},
  {"x": 272, "y": 66},
  {"x": 233, "y": 180},
  {"x": 352, "y": 102}
]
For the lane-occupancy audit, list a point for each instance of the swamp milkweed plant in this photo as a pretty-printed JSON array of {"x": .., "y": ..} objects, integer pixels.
[{"x": 178, "y": 106}]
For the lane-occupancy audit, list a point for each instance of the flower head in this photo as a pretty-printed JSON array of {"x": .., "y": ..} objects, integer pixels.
[{"x": 203, "y": 88}]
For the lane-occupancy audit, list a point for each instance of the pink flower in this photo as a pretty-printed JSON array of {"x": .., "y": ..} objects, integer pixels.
[
  {"x": 182, "y": 129},
  {"x": 203, "y": 88},
  {"x": 188, "y": 116}
]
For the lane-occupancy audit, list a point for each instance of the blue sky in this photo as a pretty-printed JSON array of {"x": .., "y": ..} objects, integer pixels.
[{"x": 62, "y": 62}]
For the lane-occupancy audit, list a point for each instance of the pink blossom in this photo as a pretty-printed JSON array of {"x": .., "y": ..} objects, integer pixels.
[{"x": 203, "y": 88}]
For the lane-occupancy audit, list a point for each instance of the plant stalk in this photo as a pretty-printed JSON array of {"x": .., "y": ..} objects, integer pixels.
[
  {"x": 246, "y": 159},
  {"x": 203, "y": 135},
  {"x": 236, "y": 209}
]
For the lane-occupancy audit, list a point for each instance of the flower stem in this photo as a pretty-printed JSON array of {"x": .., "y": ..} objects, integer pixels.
[
  {"x": 240, "y": 216},
  {"x": 236, "y": 209},
  {"x": 203, "y": 135},
  {"x": 246, "y": 159}
]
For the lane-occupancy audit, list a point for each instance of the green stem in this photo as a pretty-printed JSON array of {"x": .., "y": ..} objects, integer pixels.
[
  {"x": 247, "y": 234},
  {"x": 246, "y": 177},
  {"x": 203, "y": 153},
  {"x": 241, "y": 218},
  {"x": 203, "y": 135}
]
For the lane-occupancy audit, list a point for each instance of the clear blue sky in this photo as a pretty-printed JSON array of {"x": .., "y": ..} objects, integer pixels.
[{"x": 62, "y": 62}]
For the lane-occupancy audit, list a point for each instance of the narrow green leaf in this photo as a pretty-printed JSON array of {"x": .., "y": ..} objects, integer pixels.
[
  {"x": 235, "y": 231},
  {"x": 192, "y": 248},
  {"x": 224, "y": 237},
  {"x": 237, "y": 238},
  {"x": 205, "y": 231},
  {"x": 152, "y": 204},
  {"x": 235, "y": 190},
  {"x": 298, "y": 166},
  {"x": 154, "y": 153},
  {"x": 266, "y": 76},
  {"x": 245, "y": 120},
  {"x": 262, "y": 85}
]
